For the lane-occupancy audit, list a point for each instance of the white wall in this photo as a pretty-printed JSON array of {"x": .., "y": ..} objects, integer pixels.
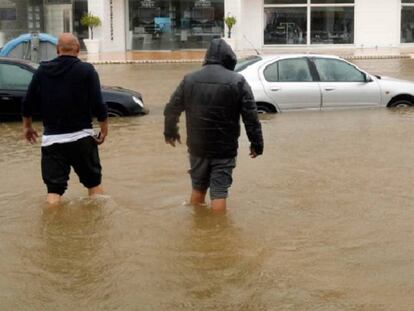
[
  {"x": 116, "y": 41},
  {"x": 377, "y": 23},
  {"x": 249, "y": 15},
  {"x": 102, "y": 8},
  {"x": 251, "y": 36},
  {"x": 234, "y": 8}
]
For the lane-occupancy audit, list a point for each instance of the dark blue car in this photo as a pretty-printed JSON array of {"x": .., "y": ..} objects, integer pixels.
[{"x": 15, "y": 76}]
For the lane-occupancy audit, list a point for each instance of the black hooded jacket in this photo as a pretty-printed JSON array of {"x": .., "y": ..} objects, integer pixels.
[
  {"x": 67, "y": 92},
  {"x": 213, "y": 99}
]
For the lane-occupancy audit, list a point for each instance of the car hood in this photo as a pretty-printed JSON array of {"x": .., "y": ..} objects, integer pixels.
[
  {"x": 118, "y": 90},
  {"x": 396, "y": 82}
]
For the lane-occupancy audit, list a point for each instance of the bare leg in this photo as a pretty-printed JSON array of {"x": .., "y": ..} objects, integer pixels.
[
  {"x": 53, "y": 198},
  {"x": 95, "y": 190},
  {"x": 218, "y": 205},
  {"x": 198, "y": 197}
]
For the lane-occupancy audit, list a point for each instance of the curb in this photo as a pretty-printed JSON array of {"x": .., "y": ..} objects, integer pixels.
[
  {"x": 197, "y": 61},
  {"x": 378, "y": 57},
  {"x": 147, "y": 61}
]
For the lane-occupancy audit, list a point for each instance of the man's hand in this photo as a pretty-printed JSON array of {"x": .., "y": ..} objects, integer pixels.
[
  {"x": 171, "y": 140},
  {"x": 30, "y": 135},
  {"x": 28, "y": 132},
  {"x": 100, "y": 138},
  {"x": 256, "y": 150}
]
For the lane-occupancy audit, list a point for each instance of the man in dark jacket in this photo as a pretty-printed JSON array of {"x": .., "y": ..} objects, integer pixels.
[
  {"x": 213, "y": 99},
  {"x": 67, "y": 93}
]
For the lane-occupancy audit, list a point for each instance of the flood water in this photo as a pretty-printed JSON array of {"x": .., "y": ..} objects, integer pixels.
[{"x": 322, "y": 221}]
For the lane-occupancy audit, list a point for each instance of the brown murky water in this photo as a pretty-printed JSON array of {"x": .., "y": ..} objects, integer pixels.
[{"x": 323, "y": 221}]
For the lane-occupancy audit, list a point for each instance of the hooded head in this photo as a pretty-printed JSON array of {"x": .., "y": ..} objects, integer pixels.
[{"x": 220, "y": 53}]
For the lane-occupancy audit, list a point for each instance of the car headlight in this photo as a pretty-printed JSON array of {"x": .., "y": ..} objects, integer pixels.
[{"x": 138, "y": 101}]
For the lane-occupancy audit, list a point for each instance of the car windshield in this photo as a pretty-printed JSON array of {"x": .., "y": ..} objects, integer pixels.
[
  {"x": 245, "y": 62},
  {"x": 34, "y": 65}
]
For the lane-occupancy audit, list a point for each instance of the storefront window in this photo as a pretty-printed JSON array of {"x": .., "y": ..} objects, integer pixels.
[
  {"x": 285, "y": 1},
  {"x": 332, "y": 25},
  {"x": 407, "y": 21},
  {"x": 285, "y": 26},
  {"x": 50, "y": 16},
  {"x": 174, "y": 24},
  {"x": 331, "y": 1},
  {"x": 331, "y": 21}
]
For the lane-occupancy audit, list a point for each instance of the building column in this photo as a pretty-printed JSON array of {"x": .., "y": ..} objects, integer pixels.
[
  {"x": 377, "y": 23},
  {"x": 248, "y": 30},
  {"x": 234, "y": 8},
  {"x": 112, "y": 31}
]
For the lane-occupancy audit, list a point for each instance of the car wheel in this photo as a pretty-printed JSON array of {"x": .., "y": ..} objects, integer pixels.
[
  {"x": 263, "y": 109},
  {"x": 112, "y": 112},
  {"x": 402, "y": 103}
]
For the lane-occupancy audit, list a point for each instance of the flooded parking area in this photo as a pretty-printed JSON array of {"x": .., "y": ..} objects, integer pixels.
[{"x": 322, "y": 221}]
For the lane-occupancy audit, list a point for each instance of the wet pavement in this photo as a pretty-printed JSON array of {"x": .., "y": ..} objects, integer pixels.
[{"x": 322, "y": 221}]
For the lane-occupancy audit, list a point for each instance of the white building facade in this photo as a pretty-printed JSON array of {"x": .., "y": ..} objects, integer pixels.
[
  {"x": 270, "y": 24},
  {"x": 191, "y": 24}
]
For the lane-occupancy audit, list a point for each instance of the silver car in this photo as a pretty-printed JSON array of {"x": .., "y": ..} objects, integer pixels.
[{"x": 287, "y": 82}]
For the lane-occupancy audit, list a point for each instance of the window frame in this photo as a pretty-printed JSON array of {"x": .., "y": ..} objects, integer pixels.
[{"x": 309, "y": 5}]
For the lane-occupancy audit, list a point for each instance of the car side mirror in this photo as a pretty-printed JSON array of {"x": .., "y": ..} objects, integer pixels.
[{"x": 367, "y": 78}]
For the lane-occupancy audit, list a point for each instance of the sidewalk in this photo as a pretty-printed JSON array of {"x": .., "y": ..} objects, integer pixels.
[{"x": 197, "y": 56}]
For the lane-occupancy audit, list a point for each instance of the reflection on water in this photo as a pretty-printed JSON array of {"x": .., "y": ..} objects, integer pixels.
[{"x": 322, "y": 221}]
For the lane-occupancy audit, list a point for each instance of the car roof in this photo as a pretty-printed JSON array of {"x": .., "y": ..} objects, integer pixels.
[
  {"x": 16, "y": 61},
  {"x": 280, "y": 56}
]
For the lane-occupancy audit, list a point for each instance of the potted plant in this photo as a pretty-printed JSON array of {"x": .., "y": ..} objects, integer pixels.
[
  {"x": 230, "y": 21},
  {"x": 91, "y": 21}
]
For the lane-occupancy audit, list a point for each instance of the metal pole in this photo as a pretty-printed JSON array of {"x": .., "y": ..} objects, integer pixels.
[{"x": 35, "y": 48}]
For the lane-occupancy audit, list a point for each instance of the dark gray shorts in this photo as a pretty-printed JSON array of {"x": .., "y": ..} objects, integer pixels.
[{"x": 215, "y": 174}]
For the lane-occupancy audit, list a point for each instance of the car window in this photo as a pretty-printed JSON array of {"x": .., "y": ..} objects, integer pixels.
[
  {"x": 13, "y": 77},
  {"x": 271, "y": 72},
  {"x": 335, "y": 70},
  {"x": 288, "y": 70}
]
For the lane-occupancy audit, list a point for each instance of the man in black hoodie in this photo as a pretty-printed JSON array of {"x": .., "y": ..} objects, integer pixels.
[
  {"x": 213, "y": 99},
  {"x": 67, "y": 92}
]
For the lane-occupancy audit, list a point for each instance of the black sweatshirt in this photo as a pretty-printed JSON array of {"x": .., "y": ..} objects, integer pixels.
[
  {"x": 213, "y": 99},
  {"x": 67, "y": 92}
]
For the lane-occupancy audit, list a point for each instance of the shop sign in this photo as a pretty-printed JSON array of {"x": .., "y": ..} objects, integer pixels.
[
  {"x": 203, "y": 4},
  {"x": 148, "y": 4}
]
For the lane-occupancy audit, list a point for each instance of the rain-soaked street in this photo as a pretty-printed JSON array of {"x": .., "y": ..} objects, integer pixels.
[{"x": 323, "y": 221}]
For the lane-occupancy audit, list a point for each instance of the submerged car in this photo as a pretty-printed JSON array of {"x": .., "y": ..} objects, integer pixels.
[
  {"x": 15, "y": 76},
  {"x": 288, "y": 82}
]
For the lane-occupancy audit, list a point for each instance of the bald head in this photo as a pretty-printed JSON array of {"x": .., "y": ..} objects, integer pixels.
[{"x": 68, "y": 44}]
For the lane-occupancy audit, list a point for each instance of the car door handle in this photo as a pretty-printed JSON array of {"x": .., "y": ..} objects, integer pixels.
[
  {"x": 329, "y": 89},
  {"x": 275, "y": 89},
  {"x": 5, "y": 97}
]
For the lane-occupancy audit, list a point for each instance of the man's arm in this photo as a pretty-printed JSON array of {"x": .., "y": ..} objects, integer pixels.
[
  {"x": 99, "y": 108},
  {"x": 172, "y": 114},
  {"x": 251, "y": 120},
  {"x": 30, "y": 102},
  {"x": 28, "y": 132}
]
